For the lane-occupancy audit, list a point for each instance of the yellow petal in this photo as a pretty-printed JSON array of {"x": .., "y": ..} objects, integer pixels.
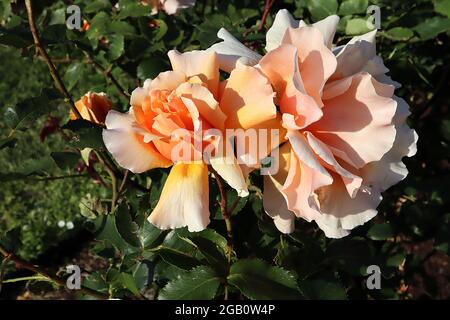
[{"x": 184, "y": 199}]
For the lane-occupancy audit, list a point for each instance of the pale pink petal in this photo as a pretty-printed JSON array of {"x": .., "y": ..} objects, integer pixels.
[
  {"x": 306, "y": 174},
  {"x": 327, "y": 27},
  {"x": 274, "y": 36},
  {"x": 340, "y": 213},
  {"x": 336, "y": 88},
  {"x": 390, "y": 169},
  {"x": 317, "y": 62},
  {"x": 231, "y": 50},
  {"x": 359, "y": 122},
  {"x": 274, "y": 202},
  {"x": 281, "y": 67},
  {"x": 352, "y": 182},
  {"x": 354, "y": 56},
  {"x": 300, "y": 186}
]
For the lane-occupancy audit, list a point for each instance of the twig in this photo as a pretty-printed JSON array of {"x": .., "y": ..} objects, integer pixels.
[
  {"x": 108, "y": 74},
  {"x": 54, "y": 73},
  {"x": 60, "y": 281},
  {"x": 124, "y": 182},
  {"x": 70, "y": 176},
  {"x": 267, "y": 5}
]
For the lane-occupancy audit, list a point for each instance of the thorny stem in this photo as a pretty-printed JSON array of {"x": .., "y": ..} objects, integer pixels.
[
  {"x": 111, "y": 171},
  {"x": 227, "y": 217},
  {"x": 60, "y": 281},
  {"x": 54, "y": 73},
  {"x": 267, "y": 5}
]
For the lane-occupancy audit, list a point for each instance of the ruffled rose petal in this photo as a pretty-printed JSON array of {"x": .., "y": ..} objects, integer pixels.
[
  {"x": 354, "y": 56},
  {"x": 247, "y": 98},
  {"x": 274, "y": 202},
  {"x": 306, "y": 175},
  {"x": 207, "y": 105},
  {"x": 359, "y": 122},
  {"x": 184, "y": 200},
  {"x": 231, "y": 50},
  {"x": 340, "y": 213},
  {"x": 317, "y": 62},
  {"x": 229, "y": 170},
  {"x": 281, "y": 67},
  {"x": 201, "y": 64},
  {"x": 390, "y": 169},
  {"x": 327, "y": 27},
  {"x": 274, "y": 36},
  {"x": 352, "y": 182},
  {"x": 126, "y": 143}
]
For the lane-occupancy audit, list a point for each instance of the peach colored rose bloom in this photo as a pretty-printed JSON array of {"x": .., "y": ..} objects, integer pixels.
[
  {"x": 189, "y": 97},
  {"x": 169, "y": 6},
  {"x": 346, "y": 131},
  {"x": 93, "y": 107}
]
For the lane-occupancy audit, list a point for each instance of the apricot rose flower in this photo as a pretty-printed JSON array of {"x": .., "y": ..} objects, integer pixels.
[
  {"x": 191, "y": 98},
  {"x": 93, "y": 107},
  {"x": 346, "y": 130}
]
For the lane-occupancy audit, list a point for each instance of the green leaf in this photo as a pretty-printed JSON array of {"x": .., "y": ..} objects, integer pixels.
[
  {"x": 121, "y": 28},
  {"x": 74, "y": 73},
  {"x": 132, "y": 9},
  {"x": 442, "y": 7},
  {"x": 97, "y": 5},
  {"x": 430, "y": 28},
  {"x": 30, "y": 167},
  {"x": 149, "y": 69},
  {"x": 321, "y": 9},
  {"x": 99, "y": 26},
  {"x": 8, "y": 143},
  {"x": 106, "y": 230},
  {"x": 127, "y": 228},
  {"x": 200, "y": 283},
  {"x": 162, "y": 29},
  {"x": 116, "y": 47},
  {"x": 258, "y": 280},
  {"x": 358, "y": 26},
  {"x": 176, "y": 257},
  {"x": 381, "y": 231},
  {"x": 212, "y": 246},
  {"x": 58, "y": 16},
  {"x": 128, "y": 281},
  {"x": 353, "y": 7},
  {"x": 87, "y": 134},
  {"x": 399, "y": 34},
  {"x": 325, "y": 287},
  {"x": 176, "y": 251},
  {"x": 66, "y": 160},
  {"x": 141, "y": 273},
  {"x": 28, "y": 110}
]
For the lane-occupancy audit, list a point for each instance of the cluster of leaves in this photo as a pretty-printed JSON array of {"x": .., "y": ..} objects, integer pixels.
[{"x": 124, "y": 45}]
